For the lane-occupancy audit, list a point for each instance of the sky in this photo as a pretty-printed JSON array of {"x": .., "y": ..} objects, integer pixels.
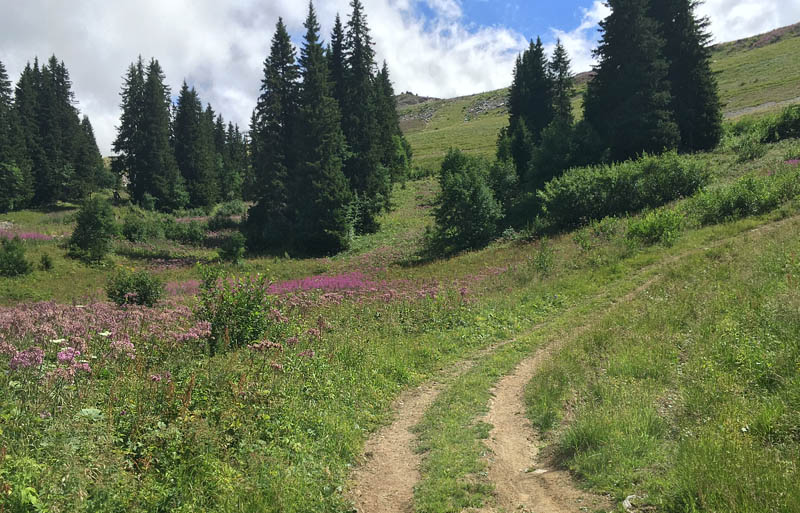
[{"x": 441, "y": 48}]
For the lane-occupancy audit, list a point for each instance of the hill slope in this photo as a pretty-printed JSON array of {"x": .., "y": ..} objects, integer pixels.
[{"x": 756, "y": 74}]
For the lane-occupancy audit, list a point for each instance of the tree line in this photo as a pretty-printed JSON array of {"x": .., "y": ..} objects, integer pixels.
[
  {"x": 326, "y": 140},
  {"x": 176, "y": 155},
  {"x": 48, "y": 152},
  {"x": 653, "y": 91}
]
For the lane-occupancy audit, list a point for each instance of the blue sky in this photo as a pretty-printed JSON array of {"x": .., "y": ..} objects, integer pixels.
[{"x": 440, "y": 48}]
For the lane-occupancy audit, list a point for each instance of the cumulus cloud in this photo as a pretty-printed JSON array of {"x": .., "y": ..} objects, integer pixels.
[
  {"x": 219, "y": 47},
  {"x": 580, "y": 41},
  {"x": 737, "y": 19}
]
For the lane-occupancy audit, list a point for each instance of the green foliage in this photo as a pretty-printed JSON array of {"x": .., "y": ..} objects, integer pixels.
[
  {"x": 241, "y": 310},
  {"x": 233, "y": 248},
  {"x": 585, "y": 194},
  {"x": 95, "y": 230},
  {"x": 750, "y": 195},
  {"x": 12, "y": 258},
  {"x": 467, "y": 214},
  {"x": 141, "y": 226},
  {"x": 629, "y": 101},
  {"x": 14, "y": 187},
  {"x": 46, "y": 262},
  {"x": 231, "y": 208},
  {"x": 193, "y": 232},
  {"x": 661, "y": 226},
  {"x": 134, "y": 288},
  {"x": 785, "y": 125}
]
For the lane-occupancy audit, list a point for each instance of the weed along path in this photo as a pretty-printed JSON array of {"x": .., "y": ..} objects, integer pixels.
[{"x": 522, "y": 481}]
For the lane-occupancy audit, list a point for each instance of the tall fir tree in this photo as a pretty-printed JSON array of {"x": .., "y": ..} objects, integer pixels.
[
  {"x": 16, "y": 188},
  {"x": 128, "y": 145},
  {"x": 394, "y": 149},
  {"x": 274, "y": 153},
  {"x": 695, "y": 98},
  {"x": 194, "y": 148},
  {"x": 321, "y": 195},
  {"x": 337, "y": 62},
  {"x": 530, "y": 106},
  {"x": 159, "y": 175},
  {"x": 629, "y": 101},
  {"x": 563, "y": 84},
  {"x": 368, "y": 179},
  {"x": 89, "y": 167}
]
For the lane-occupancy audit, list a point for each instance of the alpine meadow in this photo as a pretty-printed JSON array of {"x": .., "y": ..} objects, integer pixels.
[{"x": 578, "y": 293}]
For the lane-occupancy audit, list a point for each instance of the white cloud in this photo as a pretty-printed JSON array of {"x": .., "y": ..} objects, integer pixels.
[
  {"x": 737, "y": 19},
  {"x": 580, "y": 42}
]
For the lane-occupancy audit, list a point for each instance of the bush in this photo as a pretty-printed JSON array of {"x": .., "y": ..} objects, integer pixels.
[
  {"x": 193, "y": 232},
  {"x": 12, "y": 258},
  {"x": 232, "y": 208},
  {"x": 141, "y": 226},
  {"x": 233, "y": 248},
  {"x": 661, "y": 226},
  {"x": 466, "y": 213},
  {"x": 785, "y": 125},
  {"x": 221, "y": 221},
  {"x": 750, "y": 195},
  {"x": 15, "y": 187},
  {"x": 748, "y": 147},
  {"x": 240, "y": 310},
  {"x": 590, "y": 193},
  {"x": 46, "y": 262},
  {"x": 134, "y": 288},
  {"x": 94, "y": 234}
]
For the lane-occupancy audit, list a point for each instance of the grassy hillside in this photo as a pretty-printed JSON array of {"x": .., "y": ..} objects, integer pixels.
[{"x": 757, "y": 74}]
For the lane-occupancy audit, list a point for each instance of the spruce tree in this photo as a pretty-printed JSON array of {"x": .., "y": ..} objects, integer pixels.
[
  {"x": 563, "y": 84},
  {"x": 337, "y": 63},
  {"x": 629, "y": 100},
  {"x": 193, "y": 146},
  {"x": 129, "y": 143},
  {"x": 368, "y": 179},
  {"x": 394, "y": 149},
  {"x": 269, "y": 222},
  {"x": 158, "y": 176},
  {"x": 530, "y": 105},
  {"x": 695, "y": 98},
  {"x": 15, "y": 180},
  {"x": 321, "y": 196},
  {"x": 88, "y": 165}
]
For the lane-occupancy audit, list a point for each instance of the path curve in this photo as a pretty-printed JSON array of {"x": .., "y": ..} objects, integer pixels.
[{"x": 520, "y": 483}]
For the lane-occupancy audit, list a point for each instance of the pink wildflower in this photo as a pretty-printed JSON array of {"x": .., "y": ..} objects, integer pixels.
[{"x": 31, "y": 357}]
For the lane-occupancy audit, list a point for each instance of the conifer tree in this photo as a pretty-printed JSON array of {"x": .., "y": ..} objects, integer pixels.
[
  {"x": 530, "y": 105},
  {"x": 368, "y": 179},
  {"x": 129, "y": 143},
  {"x": 336, "y": 62},
  {"x": 394, "y": 149},
  {"x": 321, "y": 195},
  {"x": 563, "y": 84},
  {"x": 158, "y": 176},
  {"x": 273, "y": 131},
  {"x": 235, "y": 163},
  {"x": 89, "y": 166},
  {"x": 193, "y": 146},
  {"x": 15, "y": 180},
  {"x": 629, "y": 101},
  {"x": 695, "y": 99}
]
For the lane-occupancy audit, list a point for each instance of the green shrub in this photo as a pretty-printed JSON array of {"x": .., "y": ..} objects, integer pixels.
[
  {"x": 467, "y": 214},
  {"x": 95, "y": 231},
  {"x": 232, "y": 208},
  {"x": 233, "y": 248},
  {"x": 193, "y": 232},
  {"x": 748, "y": 147},
  {"x": 141, "y": 226},
  {"x": 661, "y": 226},
  {"x": 240, "y": 310},
  {"x": 12, "y": 258},
  {"x": 46, "y": 262},
  {"x": 15, "y": 187},
  {"x": 750, "y": 195},
  {"x": 785, "y": 125},
  {"x": 585, "y": 194},
  {"x": 221, "y": 221},
  {"x": 134, "y": 288}
]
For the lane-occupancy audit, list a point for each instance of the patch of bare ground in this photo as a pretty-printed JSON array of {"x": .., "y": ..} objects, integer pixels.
[{"x": 384, "y": 482}]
